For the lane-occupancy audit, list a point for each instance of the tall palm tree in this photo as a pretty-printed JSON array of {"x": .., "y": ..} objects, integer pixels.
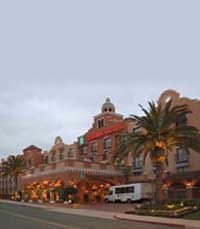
[
  {"x": 14, "y": 167},
  {"x": 4, "y": 175},
  {"x": 158, "y": 136}
]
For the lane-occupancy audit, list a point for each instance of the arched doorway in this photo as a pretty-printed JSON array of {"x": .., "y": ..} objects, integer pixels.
[
  {"x": 196, "y": 190},
  {"x": 91, "y": 190},
  {"x": 177, "y": 191}
]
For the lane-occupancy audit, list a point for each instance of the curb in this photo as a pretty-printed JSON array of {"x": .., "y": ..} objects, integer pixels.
[{"x": 150, "y": 222}]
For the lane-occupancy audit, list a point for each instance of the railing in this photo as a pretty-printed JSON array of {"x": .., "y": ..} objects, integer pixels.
[
  {"x": 72, "y": 166},
  {"x": 137, "y": 171},
  {"x": 181, "y": 164}
]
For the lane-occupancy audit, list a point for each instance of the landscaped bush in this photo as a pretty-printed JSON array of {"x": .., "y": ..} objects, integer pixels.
[
  {"x": 192, "y": 203},
  {"x": 163, "y": 212},
  {"x": 167, "y": 208}
]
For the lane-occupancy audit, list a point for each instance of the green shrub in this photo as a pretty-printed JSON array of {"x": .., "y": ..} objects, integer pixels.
[{"x": 164, "y": 212}]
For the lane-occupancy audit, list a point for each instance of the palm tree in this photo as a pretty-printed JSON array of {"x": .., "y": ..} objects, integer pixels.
[
  {"x": 4, "y": 175},
  {"x": 157, "y": 137},
  {"x": 14, "y": 167}
]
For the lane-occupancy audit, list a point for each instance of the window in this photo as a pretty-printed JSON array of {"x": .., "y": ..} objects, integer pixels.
[
  {"x": 82, "y": 140},
  {"x": 138, "y": 162},
  {"x": 154, "y": 168},
  {"x": 107, "y": 147},
  {"x": 100, "y": 123},
  {"x": 167, "y": 99},
  {"x": 137, "y": 129},
  {"x": 84, "y": 152},
  {"x": 53, "y": 157},
  {"x": 106, "y": 154},
  {"x": 62, "y": 155},
  {"x": 181, "y": 155},
  {"x": 125, "y": 190},
  {"x": 137, "y": 165},
  {"x": 71, "y": 153},
  {"x": 181, "y": 120},
  {"x": 94, "y": 151},
  {"x": 110, "y": 192},
  {"x": 131, "y": 189},
  {"x": 46, "y": 160},
  {"x": 107, "y": 143},
  {"x": 118, "y": 190}
]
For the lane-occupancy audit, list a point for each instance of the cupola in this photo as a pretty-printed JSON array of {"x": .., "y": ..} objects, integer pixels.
[{"x": 108, "y": 107}]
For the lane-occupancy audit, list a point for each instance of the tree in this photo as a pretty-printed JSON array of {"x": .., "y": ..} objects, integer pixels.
[
  {"x": 126, "y": 171},
  {"x": 157, "y": 135},
  {"x": 14, "y": 166},
  {"x": 4, "y": 175}
]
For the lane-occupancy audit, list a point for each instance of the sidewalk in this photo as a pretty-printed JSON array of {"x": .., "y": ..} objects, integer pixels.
[{"x": 188, "y": 224}]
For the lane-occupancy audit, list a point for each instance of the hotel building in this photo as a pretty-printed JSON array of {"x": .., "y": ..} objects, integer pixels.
[{"x": 87, "y": 164}]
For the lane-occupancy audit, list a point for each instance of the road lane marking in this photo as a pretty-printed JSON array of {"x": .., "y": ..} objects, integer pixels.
[{"x": 39, "y": 220}]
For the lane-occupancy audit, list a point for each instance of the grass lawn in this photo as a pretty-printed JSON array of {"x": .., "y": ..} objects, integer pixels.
[{"x": 194, "y": 216}]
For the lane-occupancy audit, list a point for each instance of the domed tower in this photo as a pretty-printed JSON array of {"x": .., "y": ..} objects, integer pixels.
[{"x": 108, "y": 107}]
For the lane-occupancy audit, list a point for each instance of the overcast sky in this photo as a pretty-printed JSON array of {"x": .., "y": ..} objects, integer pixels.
[{"x": 59, "y": 60}]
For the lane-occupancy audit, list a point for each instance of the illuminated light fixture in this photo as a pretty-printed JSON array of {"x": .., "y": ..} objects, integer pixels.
[
  {"x": 107, "y": 185},
  {"x": 165, "y": 186},
  {"x": 57, "y": 183},
  {"x": 94, "y": 187},
  {"x": 161, "y": 158},
  {"x": 170, "y": 206},
  {"x": 45, "y": 182},
  {"x": 189, "y": 184}
]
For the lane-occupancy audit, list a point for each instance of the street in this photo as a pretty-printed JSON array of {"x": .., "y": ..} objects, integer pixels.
[{"x": 21, "y": 217}]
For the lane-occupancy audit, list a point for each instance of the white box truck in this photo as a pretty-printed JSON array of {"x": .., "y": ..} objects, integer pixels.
[{"x": 129, "y": 192}]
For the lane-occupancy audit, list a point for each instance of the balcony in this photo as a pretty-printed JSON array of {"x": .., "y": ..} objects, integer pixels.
[
  {"x": 137, "y": 171},
  {"x": 182, "y": 164}
]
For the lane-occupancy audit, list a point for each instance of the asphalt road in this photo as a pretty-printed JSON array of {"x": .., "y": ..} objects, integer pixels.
[{"x": 21, "y": 217}]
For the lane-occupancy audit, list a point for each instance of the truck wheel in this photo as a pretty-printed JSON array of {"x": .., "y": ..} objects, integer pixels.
[{"x": 129, "y": 201}]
